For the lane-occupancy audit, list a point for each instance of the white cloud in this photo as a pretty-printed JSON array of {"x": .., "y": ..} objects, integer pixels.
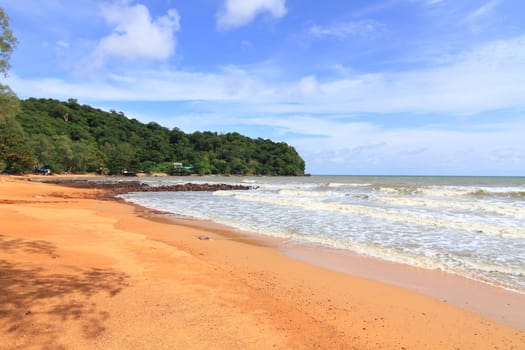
[
  {"x": 360, "y": 147},
  {"x": 484, "y": 9},
  {"x": 237, "y": 13},
  {"x": 481, "y": 15},
  {"x": 376, "y": 7},
  {"x": 344, "y": 30},
  {"x": 247, "y": 44},
  {"x": 48, "y": 8},
  {"x": 62, "y": 43},
  {"x": 135, "y": 34},
  {"x": 480, "y": 80},
  {"x": 356, "y": 147},
  {"x": 240, "y": 84},
  {"x": 230, "y": 84},
  {"x": 309, "y": 86}
]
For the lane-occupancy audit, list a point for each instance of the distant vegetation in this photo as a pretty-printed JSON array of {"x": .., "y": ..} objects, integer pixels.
[{"x": 69, "y": 137}]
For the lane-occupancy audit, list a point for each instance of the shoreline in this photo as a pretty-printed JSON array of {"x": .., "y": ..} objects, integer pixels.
[
  {"x": 505, "y": 306},
  {"x": 458, "y": 290},
  {"x": 86, "y": 273}
]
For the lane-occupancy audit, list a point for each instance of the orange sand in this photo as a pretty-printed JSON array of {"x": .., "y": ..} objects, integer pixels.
[{"x": 88, "y": 274}]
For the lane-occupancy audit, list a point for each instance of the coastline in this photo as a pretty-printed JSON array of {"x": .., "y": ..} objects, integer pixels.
[
  {"x": 142, "y": 282},
  {"x": 505, "y": 305}
]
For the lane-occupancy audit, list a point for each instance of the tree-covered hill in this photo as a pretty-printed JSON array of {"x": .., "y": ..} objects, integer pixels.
[{"x": 67, "y": 136}]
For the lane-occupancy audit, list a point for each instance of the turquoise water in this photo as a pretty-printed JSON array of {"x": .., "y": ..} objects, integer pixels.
[{"x": 470, "y": 226}]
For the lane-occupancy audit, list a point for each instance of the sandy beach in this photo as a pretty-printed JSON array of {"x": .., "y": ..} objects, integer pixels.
[{"x": 77, "y": 272}]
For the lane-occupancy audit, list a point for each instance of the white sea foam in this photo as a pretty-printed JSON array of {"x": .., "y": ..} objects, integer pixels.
[
  {"x": 487, "y": 267},
  {"x": 444, "y": 192},
  {"x": 338, "y": 184},
  {"x": 454, "y": 191},
  {"x": 459, "y": 191},
  {"x": 499, "y": 208},
  {"x": 247, "y": 181},
  {"x": 403, "y": 257},
  {"x": 224, "y": 193},
  {"x": 471, "y": 227},
  {"x": 384, "y": 253},
  {"x": 389, "y": 190},
  {"x": 387, "y": 215},
  {"x": 335, "y": 184},
  {"x": 297, "y": 193}
]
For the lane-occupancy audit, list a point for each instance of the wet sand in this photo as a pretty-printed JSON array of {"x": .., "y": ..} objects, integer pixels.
[
  {"x": 505, "y": 306},
  {"x": 77, "y": 272}
]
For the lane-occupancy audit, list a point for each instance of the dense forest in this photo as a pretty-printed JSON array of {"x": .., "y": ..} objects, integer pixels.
[{"x": 75, "y": 138}]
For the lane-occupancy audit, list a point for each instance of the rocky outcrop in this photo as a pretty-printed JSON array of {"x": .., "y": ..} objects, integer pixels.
[{"x": 120, "y": 187}]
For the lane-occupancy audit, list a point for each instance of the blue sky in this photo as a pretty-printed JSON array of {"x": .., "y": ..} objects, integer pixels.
[{"x": 358, "y": 87}]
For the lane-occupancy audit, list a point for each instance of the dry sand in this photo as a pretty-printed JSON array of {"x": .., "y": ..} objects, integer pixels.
[{"x": 80, "y": 273}]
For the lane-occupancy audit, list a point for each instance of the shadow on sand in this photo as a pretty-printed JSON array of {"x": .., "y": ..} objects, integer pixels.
[
  {"x": 34, "y": 302},
  {"x": 35, "y": 247}
]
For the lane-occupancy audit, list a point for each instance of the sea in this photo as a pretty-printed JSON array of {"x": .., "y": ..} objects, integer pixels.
[{"x": 469, "y": 226}]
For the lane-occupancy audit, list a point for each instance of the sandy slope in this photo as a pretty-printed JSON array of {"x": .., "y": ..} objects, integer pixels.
[{"x": 79, "y": 273}]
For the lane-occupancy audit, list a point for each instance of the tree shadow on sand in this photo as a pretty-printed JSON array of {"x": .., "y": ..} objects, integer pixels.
[
  {"x": 33, "y": 301},
  {"x": 14, "y": 245}
]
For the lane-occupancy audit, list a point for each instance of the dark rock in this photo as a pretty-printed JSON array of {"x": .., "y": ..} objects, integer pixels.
[{"x": 121, "y": 187}]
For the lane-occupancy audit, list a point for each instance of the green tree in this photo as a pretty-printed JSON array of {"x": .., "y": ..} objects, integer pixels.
[
  {"x": 221, "y": 166},
  {"x": 63, "y": 152},
  {"x": 67, "y": 136},
  {"x": 8, "y": 43},
  {"x": 43, "y": 149},
  {"x": 119, "y": 156},
  {"x": 9, "y": 106},
  {"x": 86, "y": 157},
  {"x": 202, "y": 165},
  {"x": 15, "y": 155}
]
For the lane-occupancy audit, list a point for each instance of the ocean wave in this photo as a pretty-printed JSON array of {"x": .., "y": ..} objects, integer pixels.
[
  {"x": 482, "y": 193},
  {"x": 479, "y": 228},
  {"x": 452, "y": 191},
  {"x": 502, "y": 209},
  {"x": 477, "y": 192},
  {"x": 224, "y": 193},
  {"x": 481, "y": 272},
  {"x": 518, "y": 271},
  {"x": 500, "y": 267},
  {"x": 341, "y": 184},
  {"x": 444, "y": 192},
  {"x": 298, "y": 193},
  {"x": 397, "y": 190},
  {"x": 384, "y": 253}
]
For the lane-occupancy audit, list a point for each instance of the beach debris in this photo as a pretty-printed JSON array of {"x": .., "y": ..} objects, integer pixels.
[
  {"x": 204, "y": 238},
  {"x": 28, "y": 312}
]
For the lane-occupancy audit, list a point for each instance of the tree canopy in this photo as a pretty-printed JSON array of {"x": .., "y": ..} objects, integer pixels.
[
  {"x": 7, "y": 43},
  {"x": 8, "y": 100},
  {"x": 13, "y": 152},
  {"x": 67, "y": 136}
]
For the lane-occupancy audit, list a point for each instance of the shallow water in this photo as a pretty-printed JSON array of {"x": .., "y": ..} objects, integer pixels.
[{"x": 470, "y": 226}]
